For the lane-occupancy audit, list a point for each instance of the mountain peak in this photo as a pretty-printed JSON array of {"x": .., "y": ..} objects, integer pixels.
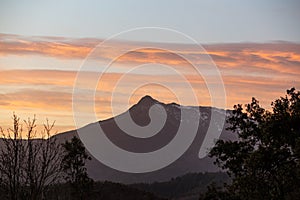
[{"x": 147, "y": 100}]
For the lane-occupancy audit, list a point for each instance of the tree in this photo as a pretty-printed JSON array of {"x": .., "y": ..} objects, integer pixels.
[
  {"x": 74, "y": 168},
  {"x": 43, "y": 160},
  {"x": 264, "y": 161},
  {"x": 28, "y": 166},
  {"x": 217, "y": 193},
  {"x": 12, "y": 159}
]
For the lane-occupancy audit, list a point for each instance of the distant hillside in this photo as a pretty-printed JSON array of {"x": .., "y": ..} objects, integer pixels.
[{"x": 186, "y": 187}]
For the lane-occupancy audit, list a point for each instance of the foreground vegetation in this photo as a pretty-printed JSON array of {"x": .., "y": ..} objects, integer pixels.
[
  {"x": 30, "y": 167},
  {"x": 265, "y": 161}
]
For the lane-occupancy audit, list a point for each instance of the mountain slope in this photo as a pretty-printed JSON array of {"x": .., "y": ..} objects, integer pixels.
[{"x": 189, "y": 162}]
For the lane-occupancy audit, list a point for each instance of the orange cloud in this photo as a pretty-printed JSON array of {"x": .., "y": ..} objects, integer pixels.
[
  {"x": 248, "y": 69},
  {"x": 40, "y": 77},
  {"x": 280, "y": 57},
  {"x": 59, "y": 95}
]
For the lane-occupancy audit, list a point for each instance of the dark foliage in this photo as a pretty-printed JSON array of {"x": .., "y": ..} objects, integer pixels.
[
  {"x": 116, "y": 191},
  {"x": 215, "y": 192},
  {"x": 264, "y": 162},
  {"x": 102, "y": 191},
  {"x": 184, "y": 186},
  {"x": 73, "y": 165}
]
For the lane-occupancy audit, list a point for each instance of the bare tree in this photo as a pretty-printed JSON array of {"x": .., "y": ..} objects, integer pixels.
[
  {"x": 12, "y": 159},
  {"x": 43, "y": 160},
  {"x": 28, "y": 166}
]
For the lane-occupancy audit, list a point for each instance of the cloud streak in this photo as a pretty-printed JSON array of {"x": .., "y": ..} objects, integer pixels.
[
  {"x": 48, "y": 82},
  {"x": 263, "y": 70},
  {"x": 279, "y": 57}
]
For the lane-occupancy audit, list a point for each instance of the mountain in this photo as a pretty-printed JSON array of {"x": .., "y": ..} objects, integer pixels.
[{"x": 187, "y": 163}]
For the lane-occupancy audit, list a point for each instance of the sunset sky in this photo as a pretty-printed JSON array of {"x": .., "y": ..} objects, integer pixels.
[{"x": 254, "y": 44}]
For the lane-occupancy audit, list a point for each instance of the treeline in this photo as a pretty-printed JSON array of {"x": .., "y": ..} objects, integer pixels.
[
  {"x": 102, "y": 191},
  {"x": 188, "y": 186}
]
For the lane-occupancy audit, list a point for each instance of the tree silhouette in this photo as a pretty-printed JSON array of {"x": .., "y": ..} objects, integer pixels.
[
  {"x": 28, "y": 166},
  {"x": 74, "y": 168},
  {"x": 264, "y": 161}
]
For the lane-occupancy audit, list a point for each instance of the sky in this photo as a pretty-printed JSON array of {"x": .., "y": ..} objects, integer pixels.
[
  {"x": 209, "y": 21},
  {"x": 43, "y": 44}
]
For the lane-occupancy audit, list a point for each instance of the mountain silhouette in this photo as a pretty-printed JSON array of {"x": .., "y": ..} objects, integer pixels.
[{"x": 139, "y": 113}]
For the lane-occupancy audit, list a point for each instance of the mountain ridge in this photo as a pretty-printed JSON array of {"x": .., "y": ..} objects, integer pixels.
[{"x": 139, "y": 112}]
